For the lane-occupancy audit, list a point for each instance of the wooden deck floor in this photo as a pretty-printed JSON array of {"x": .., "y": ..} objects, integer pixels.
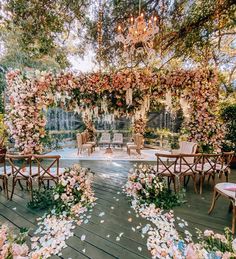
[{"x": 101, "y": 237}]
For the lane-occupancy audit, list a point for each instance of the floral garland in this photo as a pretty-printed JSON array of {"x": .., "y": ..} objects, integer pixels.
[
  {"x": 123, "y": 93},
  {"x": 163, "y": 239},
  {"x": 12, "y": 245},
  {"x": 73, "y": 197}
]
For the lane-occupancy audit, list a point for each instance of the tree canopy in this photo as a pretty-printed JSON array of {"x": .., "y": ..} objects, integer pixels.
[{"x": 197, "y": 32}]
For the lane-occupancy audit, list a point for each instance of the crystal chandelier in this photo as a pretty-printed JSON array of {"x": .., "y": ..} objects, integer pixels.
[{"x": 137, "y": 39}]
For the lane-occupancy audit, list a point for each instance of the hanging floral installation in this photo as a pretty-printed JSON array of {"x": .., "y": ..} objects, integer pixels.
[
  {"x": 125, "y": 93},
  {"x": 150, "y": 199}
]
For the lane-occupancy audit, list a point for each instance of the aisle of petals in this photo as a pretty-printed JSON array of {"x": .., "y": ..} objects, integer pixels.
[
  {"x": 163, "y": 239},
  {"x": 74, "y": 197}
]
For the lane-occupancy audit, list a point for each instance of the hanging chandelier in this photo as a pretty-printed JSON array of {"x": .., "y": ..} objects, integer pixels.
[{"x": 137, "y": 39}]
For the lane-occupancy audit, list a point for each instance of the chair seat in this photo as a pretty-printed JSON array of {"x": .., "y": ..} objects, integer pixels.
[
  {"x": 117, "y": 142},
  {"x": 91, "y": 143},
  {"x": 8, "y": 171},
  {"x": 220, "y": 167},
  {"x": 87, "y": 145},
  {"x": 221, "y": 187},
  {"x": 205, "y": 168},
  {"x": 132, "y": 146}
]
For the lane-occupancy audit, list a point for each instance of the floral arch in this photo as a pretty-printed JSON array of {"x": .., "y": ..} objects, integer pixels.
[{"x": 124, "y": 93}]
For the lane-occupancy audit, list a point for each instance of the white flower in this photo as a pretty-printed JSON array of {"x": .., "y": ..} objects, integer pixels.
[{"x": 56, "y": 196}]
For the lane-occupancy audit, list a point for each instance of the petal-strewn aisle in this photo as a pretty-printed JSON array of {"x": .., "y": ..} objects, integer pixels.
[{"x": 113, "y": 230}]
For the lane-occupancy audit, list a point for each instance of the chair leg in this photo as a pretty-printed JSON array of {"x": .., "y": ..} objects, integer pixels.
[
  {"x": 30, "y": 184},
  {"x": 194, "y": 183},
  {"x": 6, "y": 186},
  {"x": 201, "y": 183},
  {"x": 216, "y": 195},
  {"x": 174, "y": 182},
  {"x": 13, "y": 187},
  {"x": 21, "y": 186},
  {"x": 233, "y": 219}
]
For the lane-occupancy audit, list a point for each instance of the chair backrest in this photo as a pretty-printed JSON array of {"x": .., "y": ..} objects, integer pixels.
[
  {"x": 188, "y": 163},
  {"x": 187, "y": 147},
  {"x": 106, "y": 137},
  {"x": 44, "y": 169},
  {"x": 166, "y": 163},
  {"x": 79, "y": 140},
  {"x": 20, "y": 164},
  {"x": 84, "y": 137},
  {"x": 118, "y": 137},
  {"x": 138, "y": 140},
  {"x": 209, "y": 162},
  {"x": 227, "y": 157}
]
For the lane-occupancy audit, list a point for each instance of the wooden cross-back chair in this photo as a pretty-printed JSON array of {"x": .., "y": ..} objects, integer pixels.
[
  {"x": 207, "y": 167},
  {"x": 178, "y": 166},
  {"x": 166, "y": 167},
  {"x": 48, "y": 168},
  {"x": 4, "y": 173},
  {"x": 223, "y": 168},
  {"x": 21, "y": 170},
  {"x": 187, "y": 168}
]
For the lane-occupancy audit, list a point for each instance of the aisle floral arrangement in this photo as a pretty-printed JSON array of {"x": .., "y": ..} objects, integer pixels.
[
  {"x": 72, "y": 198},
  {"x": 13, "y": 245},
  {"x": 147, "y": 190}
]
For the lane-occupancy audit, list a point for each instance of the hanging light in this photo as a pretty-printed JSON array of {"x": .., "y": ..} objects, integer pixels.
[{"x": 138, "y": 37}]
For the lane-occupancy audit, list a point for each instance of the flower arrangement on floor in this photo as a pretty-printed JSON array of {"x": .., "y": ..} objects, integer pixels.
[
  {"x": 72, "y": 197},
  {"x": 12, "y": 245},
  {"x": 149, "y": 188},
  {"x": 164, "y": 241}
]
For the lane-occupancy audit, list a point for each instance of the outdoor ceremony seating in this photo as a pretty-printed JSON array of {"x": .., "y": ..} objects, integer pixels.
[
  {"x": 4, "y": 173},
  {"x": 136, "y": 145},
  {"x": 207, "y": 167},
  {"x": 48, "y": 168},
  {"x": 85, "y": 140},
  {"x": 227, "y": 190},
  {"x": 178, "y": 166},
  {"x": 186, "y": 147},
  {"x": 82, "y": 146},
  {"x": 117, "y": 139},
  {"x": 21, "y": 167},
  {"x": 105, "y": 139},
  {"x": 223, "y": 168}
]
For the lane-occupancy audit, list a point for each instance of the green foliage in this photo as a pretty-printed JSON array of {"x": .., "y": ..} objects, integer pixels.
[
  {"x": 167, "y": 199},
  {"x": 174, "y": 141},
  {"x": 42, "y": 199},
  {"x": 21, "y": 238},
  {"x": 51, "y": 141},
  {"x": 228, "y": 114},
  {"x": 215, "y": 242}
]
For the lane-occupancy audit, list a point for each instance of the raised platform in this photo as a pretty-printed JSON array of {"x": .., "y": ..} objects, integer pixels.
[{"x": 99, "y": 154}]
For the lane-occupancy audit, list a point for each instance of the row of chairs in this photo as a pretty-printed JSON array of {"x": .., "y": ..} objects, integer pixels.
[
  {"x": 28, "y": 168},
  {"x": 184, "y": 166},
  {"x": 116, "y": 140},
  {"x": 83, "y": 142}
]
